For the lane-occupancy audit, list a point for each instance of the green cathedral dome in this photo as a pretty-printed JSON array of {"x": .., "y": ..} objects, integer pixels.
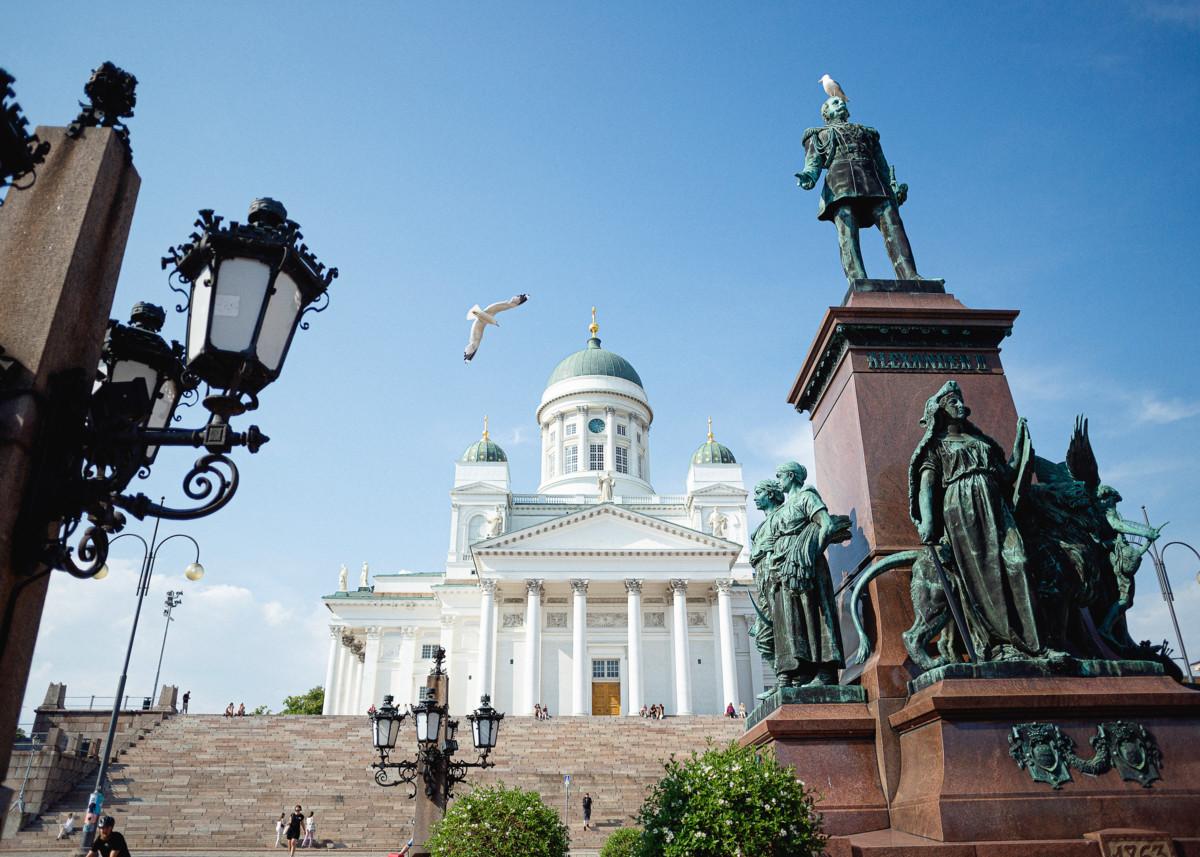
[
  {"x": 484, "y": 449},
  {"x": 594, "y": 360},
  {"x": 711, "y": 452}
]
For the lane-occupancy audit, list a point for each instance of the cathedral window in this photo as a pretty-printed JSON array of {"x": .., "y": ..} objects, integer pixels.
[
  {"x": 622, "y": 459},
  {"x": 428, "y": 650},
  {"x": 621, "y": 429},
  {"x": 570, "y": 459},
  {"x": 571, "y": 427},
  {"x": 596, "y": 456}
]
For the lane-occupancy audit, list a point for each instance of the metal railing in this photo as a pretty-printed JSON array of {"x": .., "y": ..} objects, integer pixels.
[{"x": 105, "y": 703}]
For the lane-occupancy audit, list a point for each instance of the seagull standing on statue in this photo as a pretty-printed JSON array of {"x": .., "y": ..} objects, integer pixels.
[{"x": 481, "y": 318}]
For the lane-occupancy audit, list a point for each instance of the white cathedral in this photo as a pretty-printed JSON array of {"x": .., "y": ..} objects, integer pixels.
[{"x": 595, "y": 595}]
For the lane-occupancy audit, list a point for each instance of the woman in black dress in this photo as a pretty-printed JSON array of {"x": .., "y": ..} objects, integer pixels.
[{"x": 295, "y": 825}]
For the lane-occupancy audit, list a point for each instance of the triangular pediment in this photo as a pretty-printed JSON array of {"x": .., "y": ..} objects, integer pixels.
[
  {"x": 606, "y": 529},
  {"x": 720, "y": 488},
  {"x": 478, "y": 488}
]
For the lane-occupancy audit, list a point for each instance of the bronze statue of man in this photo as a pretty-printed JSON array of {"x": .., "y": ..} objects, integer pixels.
[
  {"x": 807, "y": 639},
  {"x": 860, "y": 189}
]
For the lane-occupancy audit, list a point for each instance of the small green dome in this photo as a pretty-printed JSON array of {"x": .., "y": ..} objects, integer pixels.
[
  {"x": 594, "y": 360},
  {"x": 711, "y": 452},
  {"x": 484, "y": 449}
]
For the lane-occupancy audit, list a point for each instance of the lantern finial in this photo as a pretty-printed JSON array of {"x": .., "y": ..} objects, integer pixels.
[
  {"x": 710, "y": 434},
  {"x": 485, "y": 427},
  {"x": 593, "y": 327}
]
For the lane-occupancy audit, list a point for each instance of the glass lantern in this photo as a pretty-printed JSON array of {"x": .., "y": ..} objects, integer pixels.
[
  {"x": 428, "y": 716},
  {"x": 485, "y": 724},
  {"x": 250, "y": 283},
  {"x": 386, "y": 722}
]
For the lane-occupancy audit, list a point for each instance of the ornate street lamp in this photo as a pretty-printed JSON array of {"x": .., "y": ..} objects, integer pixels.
[
  {"x": 249, "y": 287},
  {"x": 436, "y": 745}
]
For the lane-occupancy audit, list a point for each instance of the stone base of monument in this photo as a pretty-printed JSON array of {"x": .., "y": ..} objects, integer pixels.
[
  {"x": 831, "y": 746},
  {"x": 1047, "y": 758},
  {"x": 827, "y": 694}
]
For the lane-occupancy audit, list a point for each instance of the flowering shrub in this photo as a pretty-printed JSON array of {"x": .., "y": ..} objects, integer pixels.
[
  {"x": 624, "y": 842},
  {"x": 498, "y": 822},
  {"x": 730, "y": 802}
]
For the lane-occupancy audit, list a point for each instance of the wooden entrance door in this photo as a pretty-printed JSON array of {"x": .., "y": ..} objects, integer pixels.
[{"x": 606, "y": 698}]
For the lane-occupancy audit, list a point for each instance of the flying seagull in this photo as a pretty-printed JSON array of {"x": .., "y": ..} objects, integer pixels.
[
  {"x": 483, "y": 317},
  {"x": 832, "y": 88}
]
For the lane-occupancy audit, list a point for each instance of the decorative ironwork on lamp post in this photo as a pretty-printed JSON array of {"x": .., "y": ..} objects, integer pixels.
[
  {"x": 248, "y": 287},
  {"x": 435, "y": 763},
  {"x": 1164, "y": 584},
  {"x": 20, "y": 151}
]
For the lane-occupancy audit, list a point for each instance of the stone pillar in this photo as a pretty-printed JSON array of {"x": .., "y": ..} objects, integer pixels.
[
  {"x": 610, "y": 442},
  {"x": 633, "y": 600},
  {"x": 756, "y": 668},
  {"x": 408, "y": 662},
  {"x": 679, "y": 640},
  {"x": 580, "y": 701},
  {"x": 335, "y": 643},
  {"x": 370, "y": 669},
  {"x": 356, "y": 665},
  {"x": 345, "y": 673},
  {"x": 560, "y": 427},
  {"x": 533, "y": 644},
  {"x": 728, "y": 654},
  {"x": 487, "y": 636},
  {"x": 447, "y": 639},
  {"x": 62, "y": 242}
]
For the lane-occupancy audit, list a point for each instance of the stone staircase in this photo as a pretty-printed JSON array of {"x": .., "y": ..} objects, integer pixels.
[{"x": 206, "y": 782}]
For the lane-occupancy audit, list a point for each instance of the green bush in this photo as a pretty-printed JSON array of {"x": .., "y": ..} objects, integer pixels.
[
  {"x": 730, "y": 802},
  {"x": 495, "y": 821},
  {"x": 623, "y": 843}
]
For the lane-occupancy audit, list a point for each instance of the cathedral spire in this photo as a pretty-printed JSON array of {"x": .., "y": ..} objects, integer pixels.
[
  {"x": 485, "y": 427},
  {"x": 593, "y": 327},
  {"x": 710, "y": 434}
]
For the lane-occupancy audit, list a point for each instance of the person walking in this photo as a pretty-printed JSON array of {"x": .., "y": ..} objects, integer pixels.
[
  {"x": 280, "y": 826},
  {"x": 295, "y": 823},
  {"x": 587, "y": 811},
  {"x": 187, "y": 697},
  {"x": 310, "y": 828},
  {"x": 108, "y": 842}
]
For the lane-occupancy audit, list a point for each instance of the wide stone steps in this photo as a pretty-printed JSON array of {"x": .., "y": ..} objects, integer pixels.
[{"x": 213, "y": 782}]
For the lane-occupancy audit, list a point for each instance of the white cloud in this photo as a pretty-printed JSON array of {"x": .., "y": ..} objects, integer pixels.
[
  {"x": 791, "y": 441},
  {"x": 1153, "y": 410},
  {"x": 517, "y": 436},
  {"x": 1181, "y": 13},
  {"x": 226, "y": 642}
]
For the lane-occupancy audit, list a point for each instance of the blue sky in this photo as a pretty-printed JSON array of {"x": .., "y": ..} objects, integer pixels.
[{"x": 638, "y": 157}]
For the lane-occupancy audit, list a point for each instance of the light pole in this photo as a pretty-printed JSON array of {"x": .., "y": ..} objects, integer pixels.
[
  {"x": 194, "y": 571},
  {"x": 1164, "y": 583},
  {"x": 436, "y": 746},
  {"x": 174, "y": 599}
]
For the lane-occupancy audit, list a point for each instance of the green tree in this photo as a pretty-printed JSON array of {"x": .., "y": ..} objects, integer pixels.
[
  {"x": 494, "y": 821},
  {"x": 262, "y": 709},
  {"x": 307, "y": 703},
  {"x": 730, "y": 802},
  {"x": 624, "y": 842}
]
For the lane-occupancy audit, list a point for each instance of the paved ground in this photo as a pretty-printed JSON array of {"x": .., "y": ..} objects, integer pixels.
[{"x": 141, "y": 852}]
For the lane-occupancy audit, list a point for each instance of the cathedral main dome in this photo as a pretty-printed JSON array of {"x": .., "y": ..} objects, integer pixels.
[{"x": 594, "y": 360}]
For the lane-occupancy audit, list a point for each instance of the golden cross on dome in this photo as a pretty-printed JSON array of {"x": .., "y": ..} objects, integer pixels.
[
  {"x": 710, "y": 434},
  {"x": 485, "y": 430},
  {"x": 593, "y": 327}
]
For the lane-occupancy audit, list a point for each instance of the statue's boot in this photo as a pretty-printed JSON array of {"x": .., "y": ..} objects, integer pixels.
[{"x": 825, "y": 676}]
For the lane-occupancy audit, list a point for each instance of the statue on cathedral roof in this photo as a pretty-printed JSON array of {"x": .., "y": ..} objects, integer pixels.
[
  {"x": 362, "y": 577},
  {"x": 342, "y": 578}
]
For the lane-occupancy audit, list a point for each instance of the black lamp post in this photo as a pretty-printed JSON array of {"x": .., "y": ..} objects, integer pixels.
[
  {"x": 436, "y": 746},
  {"x": 194, "y": 571},
  {"x": 174, "y": 599},
  {"x": 248, "y": 287}
]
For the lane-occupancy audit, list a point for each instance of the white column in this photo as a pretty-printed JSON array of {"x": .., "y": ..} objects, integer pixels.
[
  {"x": 370, "y": 669},
  {"x": 580, "y": 703},
  {"x": 533, "y": 644},
  {"x": 610, "y": 442},
  {"x": 345, "y": 673},
  {"x": 559, "y": 428},
  {"x": 487, "y": 635},
  {"x": 756, "y": 669},
  {"x": 335, "y": 634},
  {"x": 683, "y": 657},
  {"x": 728, "y": 653},
  {"x": 633, "y": 600},
  {"x": 356, "y": 693},
  {"x": 408, "y": 660}
]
